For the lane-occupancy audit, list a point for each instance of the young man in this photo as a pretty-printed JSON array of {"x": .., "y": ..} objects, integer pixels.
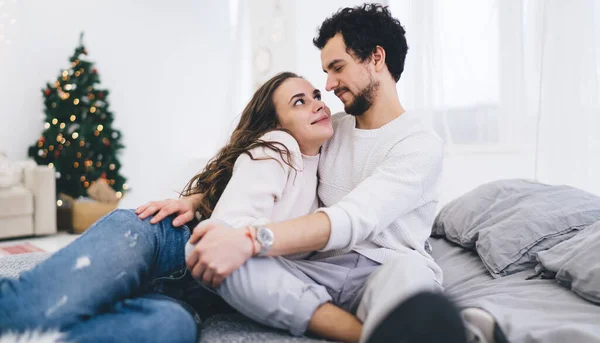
[{"x": 380, "y": 178}]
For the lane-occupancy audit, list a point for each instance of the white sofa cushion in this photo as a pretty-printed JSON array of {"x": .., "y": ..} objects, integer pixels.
[
  {"x": 15, "y": 201},
  {"x": 11, "y": 172}
]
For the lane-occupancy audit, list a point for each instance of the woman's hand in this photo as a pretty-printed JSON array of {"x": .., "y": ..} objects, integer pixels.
[
  {"x": 220, "y": 251},
  {"x": 184, "y": 207}
]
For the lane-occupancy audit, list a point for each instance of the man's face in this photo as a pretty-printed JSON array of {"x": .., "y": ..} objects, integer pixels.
[{"x": 353, "y": 82}]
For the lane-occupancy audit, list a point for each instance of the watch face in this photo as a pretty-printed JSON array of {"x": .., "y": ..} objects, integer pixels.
[{"x": 265, "y": 236}]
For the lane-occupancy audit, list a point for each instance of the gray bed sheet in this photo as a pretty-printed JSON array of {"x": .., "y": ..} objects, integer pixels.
[{"x": 527, "y": 310}]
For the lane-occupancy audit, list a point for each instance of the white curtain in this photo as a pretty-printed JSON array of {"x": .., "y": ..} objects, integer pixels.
[{"x": 513, "y": 87}]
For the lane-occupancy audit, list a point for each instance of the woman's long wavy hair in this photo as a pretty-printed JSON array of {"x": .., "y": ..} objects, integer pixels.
[{"x": 258, "y": 118}]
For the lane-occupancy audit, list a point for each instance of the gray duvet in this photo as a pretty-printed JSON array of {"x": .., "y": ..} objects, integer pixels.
[
  {"x": 509, "y": 221},
  {"x": 527, "y": 310},
  {"x": 575, "y": 263}
]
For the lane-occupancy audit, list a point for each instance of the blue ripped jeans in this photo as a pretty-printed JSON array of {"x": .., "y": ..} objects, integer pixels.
[{"x": 111, "y": 284}]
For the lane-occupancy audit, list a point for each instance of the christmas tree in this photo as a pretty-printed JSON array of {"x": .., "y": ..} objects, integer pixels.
[{"x": 79, "y": 140}]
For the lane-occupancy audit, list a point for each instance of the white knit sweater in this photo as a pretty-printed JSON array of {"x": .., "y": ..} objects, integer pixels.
[
  {"x": 380, "y": 187},
  {"x": 267, "y": 189}
]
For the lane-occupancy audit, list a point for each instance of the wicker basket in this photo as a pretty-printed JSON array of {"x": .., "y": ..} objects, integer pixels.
[{"x": 87, "y": 212}]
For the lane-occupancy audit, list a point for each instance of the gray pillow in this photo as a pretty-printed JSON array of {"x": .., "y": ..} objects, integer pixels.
[
  {"x": 575, "y": 263},
  {"x": 509, "y": 221}
]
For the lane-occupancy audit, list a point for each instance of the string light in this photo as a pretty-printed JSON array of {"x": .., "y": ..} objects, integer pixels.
[
  {"x": 68, "y": 143},
  {"x": 76, "y": 101},
  {"x": 75, "y": 134},
  {"x": 77, "y": 73},
  {"x": 68, "y": 87},
  {"x": 62, "y": 125},
  {"x": 78, "y": 155},
  {"x": 100, "y": 127},
  {"x": 81, "y": 143},
  {"x": 93, "y": 109},
  {"x": 119, "y": 195},
  {"x": 57, "y": 84},
  {"x": 51, "y": 148},
  {"x": 98, "y": 164},
  {"x": 53, "y": 105},
  {"x": 72, "y": 117},
  {"x": 96, "y": 133},
  {"x": 86, "y": 184},
  {"x": 82, "y": 178},
  {"x": 50, "y": 165},
  {"x": 54, "y": 121},
  {"x": 125, "y": 186},
  {"x": 65, "y": 73},
  {"x": 59, "y": 203},
  {"x": 46, "y": 125},
  {"x": 40, "y": 144},
  {"x": 111, "y": 167},
  {"x": 76, "y": 165}
]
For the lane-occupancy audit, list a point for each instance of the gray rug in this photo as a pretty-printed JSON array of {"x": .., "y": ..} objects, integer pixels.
[{"x": 231, "y": 328}]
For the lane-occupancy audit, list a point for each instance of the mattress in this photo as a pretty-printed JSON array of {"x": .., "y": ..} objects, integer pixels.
[{"x": 527, "y": 310}]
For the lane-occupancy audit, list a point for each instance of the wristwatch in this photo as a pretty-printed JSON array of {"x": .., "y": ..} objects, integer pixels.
[{"x": 265, "y": 237}]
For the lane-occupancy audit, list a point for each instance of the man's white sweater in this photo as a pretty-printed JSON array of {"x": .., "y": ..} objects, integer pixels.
[{"x": 380, "y": 187}]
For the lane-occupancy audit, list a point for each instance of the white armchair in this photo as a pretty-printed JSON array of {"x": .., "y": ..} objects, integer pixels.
[{"x": 27, "y": 200}]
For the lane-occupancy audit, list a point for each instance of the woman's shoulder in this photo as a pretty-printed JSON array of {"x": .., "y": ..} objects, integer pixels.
[
  {"x": 264, "y": 152},
  {"x": 283, "y": 138}
]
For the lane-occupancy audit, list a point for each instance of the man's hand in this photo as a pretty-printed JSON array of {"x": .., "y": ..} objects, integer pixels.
[
  {"x": 220, "y": 250},
  {"x": 184, "y": 207}
]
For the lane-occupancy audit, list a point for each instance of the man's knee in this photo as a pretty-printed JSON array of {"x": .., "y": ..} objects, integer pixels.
[
  {"x": 409, "y": 268},
  {"x": 396, "y": 280},
  {"x": 267, "y": 292}
]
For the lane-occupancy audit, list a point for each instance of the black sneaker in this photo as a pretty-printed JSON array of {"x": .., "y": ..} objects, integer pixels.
[{"x": 424, "y": 317}]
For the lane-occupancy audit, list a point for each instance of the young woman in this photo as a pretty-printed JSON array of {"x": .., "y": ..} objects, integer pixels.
[{"x": 125, "y": 278}]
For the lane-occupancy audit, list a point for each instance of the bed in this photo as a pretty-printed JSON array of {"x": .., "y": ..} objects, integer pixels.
[
  {"x": 537, "y": 310},
  {"x": 528, "y": 310},
  {"x": 503, "y": 232}
]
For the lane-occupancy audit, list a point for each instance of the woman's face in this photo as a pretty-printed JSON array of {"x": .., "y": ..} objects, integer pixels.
[{"x": 301, "y": 111}]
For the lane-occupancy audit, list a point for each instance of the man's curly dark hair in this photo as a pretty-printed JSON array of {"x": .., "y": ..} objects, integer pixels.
[{"x": 364, "y": 28}]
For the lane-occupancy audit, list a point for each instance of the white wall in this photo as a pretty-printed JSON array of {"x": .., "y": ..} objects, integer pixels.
[
  {"x": 172, "y": 71},
  {"x": 166, "y": 66}
]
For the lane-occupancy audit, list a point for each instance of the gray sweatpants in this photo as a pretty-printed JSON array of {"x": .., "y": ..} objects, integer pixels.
[{"x": 285, "y": 293}]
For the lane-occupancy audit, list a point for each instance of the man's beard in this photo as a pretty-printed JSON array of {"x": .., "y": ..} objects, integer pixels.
[{"x": 364, "y": 100}]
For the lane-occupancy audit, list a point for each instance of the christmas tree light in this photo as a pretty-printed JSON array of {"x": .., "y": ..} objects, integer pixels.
[{"x": 78, "y": 138}]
